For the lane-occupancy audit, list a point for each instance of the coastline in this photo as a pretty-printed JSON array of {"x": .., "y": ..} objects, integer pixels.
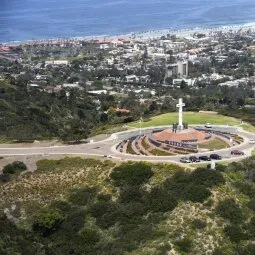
[{"x": 143, "y": 35}]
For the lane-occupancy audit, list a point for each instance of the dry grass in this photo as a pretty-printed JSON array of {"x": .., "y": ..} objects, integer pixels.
[{"x": 54, "y": 179}]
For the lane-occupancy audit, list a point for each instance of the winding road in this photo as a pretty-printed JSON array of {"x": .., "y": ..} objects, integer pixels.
[{"x": 107, "y": 147}]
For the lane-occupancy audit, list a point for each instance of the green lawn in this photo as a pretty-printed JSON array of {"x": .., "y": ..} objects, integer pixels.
[
  {"x": 189, "y": 117},
  {"x": 129, "y": 148},
  {"x": 157, "y": 152},
  {"x": 215, "y": 144},
  {"x": 248, "y": 127},
  {"x": 108, "y": 129}
]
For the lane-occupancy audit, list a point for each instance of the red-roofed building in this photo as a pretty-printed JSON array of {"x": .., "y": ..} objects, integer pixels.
[
  {"x": 5, "y": 48},
  {"x": 122, "y": 110}
]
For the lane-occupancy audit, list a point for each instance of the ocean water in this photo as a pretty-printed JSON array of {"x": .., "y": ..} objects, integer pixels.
[{"x": 37, "y": 19}]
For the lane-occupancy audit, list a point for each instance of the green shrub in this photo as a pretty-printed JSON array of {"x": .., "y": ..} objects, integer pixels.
[
  {"x": 217, "y": 251},
  {"x": 131, "y": 174},
  {"x": 196, "y": 193},
  {"x": 130, "y": 194},
  {"x": 16, "y": 241},
  {"x": 246, "y": 188},
  {"x": 161, "y": 201},
  {"x": 74, "y": 222},
  {"x": 48, "y": 222},
  {"x": 236, "y": 166},
  {"x": 177, "y": 183},
  {"x": 235, "y": 233},
  {"x": 184, "y": 245},
  {"x": 15, "y": 167},
  {"x": 82, "y": 196},
  {"x": 62, "y": 206},
  {"x": 220, "y": 167},
  {"x": 251, "y": 175},
  {"x": 246, "y": 250},
  {"x": 131, "y": 211},
  {"x": 224, "y": 251},
  {"x": 104, "y": 197},
  {"x": 110, "y": 217},
  {"x": 100, "y": 208},
  {"x": 251, "y": 204},
  {"x": 251, "y": 227},
  {"x": 207, "y": 177},
  {"x": 192, "y": 186},
  {"x": 228, "y": 209},
  {"x": 164, "y": 248},
  {"x": 89, "y": 237},
  {"x": 198, "y": 224}
]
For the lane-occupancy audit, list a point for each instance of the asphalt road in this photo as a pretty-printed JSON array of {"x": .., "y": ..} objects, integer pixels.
[{"x": 107, "y": 148}]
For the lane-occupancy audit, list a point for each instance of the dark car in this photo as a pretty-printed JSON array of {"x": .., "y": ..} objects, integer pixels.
[
  {"x": 194, "y": 159},
  {"x": 237, "y": 152},
  {"x": 205, "y": 158},
  {"x": 215, "y": 156}
]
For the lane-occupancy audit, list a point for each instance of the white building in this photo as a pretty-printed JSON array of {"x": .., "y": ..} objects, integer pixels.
[
  {"x": 235, "y": 83},
  {"x": 57, "y": 62},
  {"x": 104, "y": 46},
  {"x": 98, "y": 92},
  {"x": 132, "y": 78},
  {"x": 190, "y": 82},
  {"x": 179, "y": 69},
  {"x": 72, "y": 86}
]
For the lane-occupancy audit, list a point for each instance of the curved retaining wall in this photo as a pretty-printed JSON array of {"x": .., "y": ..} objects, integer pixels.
[
  {"x": 184, "y": 145},
  {"x": 215, "y": 132},
  {"x": 174, "y": 144}
]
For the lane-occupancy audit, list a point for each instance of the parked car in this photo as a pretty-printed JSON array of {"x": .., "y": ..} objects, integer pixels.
[
  {"x": 215, "y": 156},
  {"x": 208, "y": 125},
  {"x": 194, "y": 159},
  {"x": 185, "y": 160},
  {"x": 252, "y": 141},
  {"x": 237, "y": 152},
  {"x": 205, "y": 158}
]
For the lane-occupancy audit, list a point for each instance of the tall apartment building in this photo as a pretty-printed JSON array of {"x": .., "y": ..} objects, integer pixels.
[{"x": 178, "y": 70}]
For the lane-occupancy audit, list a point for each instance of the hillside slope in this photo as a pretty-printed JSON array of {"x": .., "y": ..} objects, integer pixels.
[
  {"x": 28, "y": 115},
  {"x": 86, "y": 206}
]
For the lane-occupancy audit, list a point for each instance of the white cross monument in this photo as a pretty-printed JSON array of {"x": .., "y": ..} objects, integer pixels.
[{"x": 180, "y": 105}]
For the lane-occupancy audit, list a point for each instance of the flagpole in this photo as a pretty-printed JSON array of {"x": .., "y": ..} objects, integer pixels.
[{"x": 141, "y": 125}]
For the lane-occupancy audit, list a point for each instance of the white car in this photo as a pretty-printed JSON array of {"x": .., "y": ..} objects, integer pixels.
[
  {"x": 252, "y": 141},
  {"x": 185, "y": 160},
  {"x": 208, "y": 125}
]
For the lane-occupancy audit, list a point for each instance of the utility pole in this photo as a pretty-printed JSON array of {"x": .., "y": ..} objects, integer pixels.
[
  {"x": 253, "y": 84},
  {"x": 141, "y": 119}
]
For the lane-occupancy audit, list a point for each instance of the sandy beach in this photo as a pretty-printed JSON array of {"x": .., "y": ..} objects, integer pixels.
[{"x": 151, "y": 34}]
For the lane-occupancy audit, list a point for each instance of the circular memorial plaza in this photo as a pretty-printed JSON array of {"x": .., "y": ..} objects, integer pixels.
[{"x": 179, "y": 139}]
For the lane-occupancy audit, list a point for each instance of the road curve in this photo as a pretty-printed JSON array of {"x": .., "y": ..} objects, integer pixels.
[{"x": 108, "y": 147}]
